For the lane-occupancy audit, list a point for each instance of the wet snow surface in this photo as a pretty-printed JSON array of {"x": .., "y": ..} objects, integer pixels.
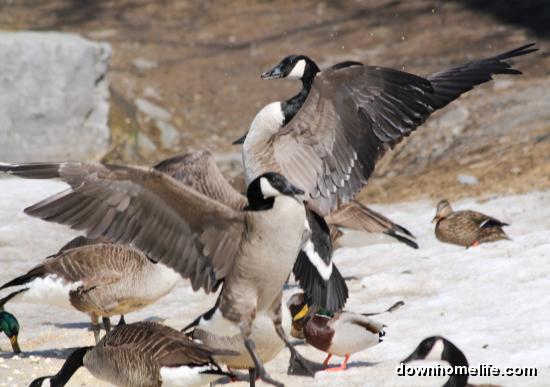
[{"x": 492, "y": 301}]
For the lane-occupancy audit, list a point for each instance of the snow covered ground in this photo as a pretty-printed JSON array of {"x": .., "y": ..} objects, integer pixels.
[{"x": 492, "y": 301}]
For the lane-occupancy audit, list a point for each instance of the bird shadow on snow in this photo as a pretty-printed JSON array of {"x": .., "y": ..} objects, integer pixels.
[
  {"x": 71, "y": 325},
  {"x": 45, "y": 353},
  {"x": 87, "y": 326}
]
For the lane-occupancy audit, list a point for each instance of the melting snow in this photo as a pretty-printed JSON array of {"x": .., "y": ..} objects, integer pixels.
[{"x": 492, "y": 301}]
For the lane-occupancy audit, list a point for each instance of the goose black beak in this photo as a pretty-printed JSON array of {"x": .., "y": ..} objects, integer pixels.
[
  {"x": 293, "y": 191},
  {"x": 15, "y": 345},
  {"x": 412, "y": 357},
  {"x": 274, "y": 73},
  {"x": 240, "y": 140}
]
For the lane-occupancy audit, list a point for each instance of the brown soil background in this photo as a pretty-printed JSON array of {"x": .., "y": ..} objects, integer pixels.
[{"x": 207, "y": 57}]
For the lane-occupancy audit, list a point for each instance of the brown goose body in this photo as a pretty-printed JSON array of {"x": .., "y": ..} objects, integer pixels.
[
  {"x": 144, "y": 354},
  {"x": 466, "y": 228},
  {"x": 99, "y": 279}
]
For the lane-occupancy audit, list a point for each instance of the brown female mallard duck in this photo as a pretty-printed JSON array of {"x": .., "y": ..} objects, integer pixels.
[
  {"x": 341, "y": 334},
  {"x": 466, "y": 228}
]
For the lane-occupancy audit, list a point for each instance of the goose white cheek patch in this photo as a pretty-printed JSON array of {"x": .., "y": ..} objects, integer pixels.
[
  {"x": 436, "y": 352},
  {"x": 267, "y": 189},
  {"x": 298, "y": 70}
]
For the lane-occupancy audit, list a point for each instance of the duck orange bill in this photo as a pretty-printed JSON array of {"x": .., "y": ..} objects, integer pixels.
[
  {"x": 15, "y": 344},
  {"x": 301, "y": 314},
  {"x": 435, "y": 219}
]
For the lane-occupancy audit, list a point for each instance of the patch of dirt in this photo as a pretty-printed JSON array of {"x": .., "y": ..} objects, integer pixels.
[{"x": 200, "y": 62}]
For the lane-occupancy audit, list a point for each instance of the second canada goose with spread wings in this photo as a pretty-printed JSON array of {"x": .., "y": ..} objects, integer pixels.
[
  {"x": 351, "y": 115},
  {"x": 252, "y": 251},
  {"x": 321, "y": 281}
]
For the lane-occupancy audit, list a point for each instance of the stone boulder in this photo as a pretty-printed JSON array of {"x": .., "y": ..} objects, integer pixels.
[{"x": 53, "y": 97}]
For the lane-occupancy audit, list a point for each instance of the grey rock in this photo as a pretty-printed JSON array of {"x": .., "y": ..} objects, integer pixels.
[
  {"x": 466, "y": 179},
  {"x": 145, "y": 144},
  {"x": 168, "y": 134},
  {"x": 152, "y": 110},
  {"x": 53, "y": 97},
  {"x": 144, "y": 64}
]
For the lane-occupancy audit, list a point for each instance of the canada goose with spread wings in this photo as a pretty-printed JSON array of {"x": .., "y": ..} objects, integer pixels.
[
  {"x": 322, "y": 282},
  {"x": 251, "y": 251},
  {"x": 351, "y": 115}
]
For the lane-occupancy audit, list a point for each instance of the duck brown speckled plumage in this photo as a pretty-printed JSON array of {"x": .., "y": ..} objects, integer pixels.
[{"x": 466, "y": 228}]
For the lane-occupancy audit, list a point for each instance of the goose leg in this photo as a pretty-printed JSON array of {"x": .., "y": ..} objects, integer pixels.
[
  {"x": 96, "y": 328},
  {"x": 325, "y": 363},
  {"x": 246, "y": 330},
  {"x": 106, "y": 324},
  {"x": 252, "y": 376},
  {"x": 298, "y": 365}
]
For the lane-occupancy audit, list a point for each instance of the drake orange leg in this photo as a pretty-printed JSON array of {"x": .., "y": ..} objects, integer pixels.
[
  {"x": 475, "y": 244},
  {"x": 342, "y": 367},
  {"x": 325, "y": 363}
]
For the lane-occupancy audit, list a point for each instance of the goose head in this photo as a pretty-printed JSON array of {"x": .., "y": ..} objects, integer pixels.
[
  {"x": 265, "y": 189},
  {"x": 444, "y": 209},
  {"x": 294, "y": 67},
  {"x": 436, "y": 348},
  {"x": 10, "y": 326}
]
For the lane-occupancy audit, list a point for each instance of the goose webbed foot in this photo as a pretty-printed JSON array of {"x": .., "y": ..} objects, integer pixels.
[
  {"x": 260, "y": 370},
  {"x": 298, "y": 365}
]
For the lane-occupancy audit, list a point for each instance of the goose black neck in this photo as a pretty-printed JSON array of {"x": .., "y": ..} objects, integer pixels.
[
  {"x": 256, "y": 199},
  {"x": 292, "y": 106},
  {"x": 71, "y": 365},
  {"x": 455, "y": 358},
  {"x": 309, "y": 75}
]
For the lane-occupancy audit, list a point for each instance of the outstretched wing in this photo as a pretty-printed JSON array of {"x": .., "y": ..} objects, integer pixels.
[
  {"x": 353, "y": 115},
  {"x": 189, "y": 232},
  {"x": 199, "y": 171}
]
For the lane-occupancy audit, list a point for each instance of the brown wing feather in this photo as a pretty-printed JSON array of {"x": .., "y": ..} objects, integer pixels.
[
  {"x": 199, "y": 171},
  {"x": 156, "y": 343},
  {"x": 195, "y": 235},
  {"x": 353, "y": 115}
]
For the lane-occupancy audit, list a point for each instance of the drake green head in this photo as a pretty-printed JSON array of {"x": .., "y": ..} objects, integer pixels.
[{"x": 10, "y": 326}]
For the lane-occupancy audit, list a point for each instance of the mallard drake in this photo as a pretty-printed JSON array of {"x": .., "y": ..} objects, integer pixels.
[
  {"x": 466, "y": 228},
  {"x": 438, "y": 348},
  {"x": 99, "y": 279},
  {"x": 143, "y": 354},
  {"x": 9, "y": 324},
  {"x": 251, "y": 251},
  {"x": 341, "y": 334}
]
